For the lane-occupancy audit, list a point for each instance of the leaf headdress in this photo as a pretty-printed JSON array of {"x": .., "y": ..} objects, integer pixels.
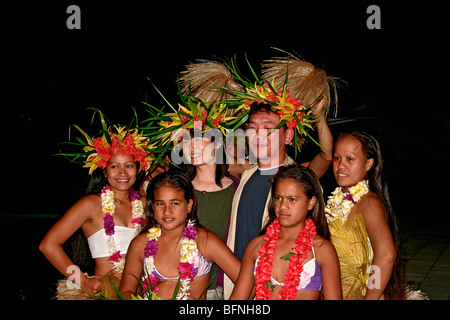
[
  {"x": 97, "y": 150},
  {"x": 166, "y": 130}
]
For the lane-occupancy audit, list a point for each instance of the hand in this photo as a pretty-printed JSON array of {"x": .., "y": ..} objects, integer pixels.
[{"x": 90, "y": 285}]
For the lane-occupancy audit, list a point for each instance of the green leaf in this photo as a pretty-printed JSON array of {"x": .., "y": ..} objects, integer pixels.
[
  {"x": 162, "y": 96},
  {"x": 177, "y": 287},
  {"x": 270, "y": 285},
  {"x": 287, "y": 256},
  {"x": 253, "y": 71}
]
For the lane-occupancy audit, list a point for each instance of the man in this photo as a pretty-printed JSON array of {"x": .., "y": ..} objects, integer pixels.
[{"x": 269, "y": 145}]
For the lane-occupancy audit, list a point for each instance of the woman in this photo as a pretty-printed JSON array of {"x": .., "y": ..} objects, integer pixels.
[
  {"x": 207, "y": 170},
  {"x": 362, "y": 222},
  {"x": 109, "y": 220}
]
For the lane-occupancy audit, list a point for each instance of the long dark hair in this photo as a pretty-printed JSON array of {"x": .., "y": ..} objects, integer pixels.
[
  {"x": 377, "y": 183},
  {"x": 79, "y": 248},
  {"x": 310, "y": 185},
  {"x": 177, "y": 180}
]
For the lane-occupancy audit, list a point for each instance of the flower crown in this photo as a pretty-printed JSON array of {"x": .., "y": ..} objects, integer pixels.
[
  {"x": 166, "y": 130},
  {"x": 97, "y": 151},
  {"x": 291, "y": 110},
  {"x": 195, "y": 116}
]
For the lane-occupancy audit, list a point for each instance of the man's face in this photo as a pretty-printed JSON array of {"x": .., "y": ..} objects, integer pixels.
[{"x": 267, "y": 146}]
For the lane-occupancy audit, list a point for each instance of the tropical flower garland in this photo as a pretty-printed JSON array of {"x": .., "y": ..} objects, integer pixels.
[
  {"x": 186, "y": 265},
  {"x": 108, "y": 208},
  {"x": 340, "y": 204},
  {"x": 124, "y": 140},
  {"x": 303, "y": 245},
  {"x": 291, "y": 110}
]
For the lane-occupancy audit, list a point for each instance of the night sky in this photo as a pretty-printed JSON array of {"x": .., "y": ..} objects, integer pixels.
[
  {"x": 396, "y": 81},
  {"x": 53, "y": 74}
]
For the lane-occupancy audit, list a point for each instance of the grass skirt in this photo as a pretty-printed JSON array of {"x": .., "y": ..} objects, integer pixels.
[{"x": 66, "y": 290}]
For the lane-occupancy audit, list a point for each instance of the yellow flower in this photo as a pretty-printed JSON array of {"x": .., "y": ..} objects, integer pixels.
[
  {"x": 154, "y": 233},
  {"x": 108, "y": 205}
]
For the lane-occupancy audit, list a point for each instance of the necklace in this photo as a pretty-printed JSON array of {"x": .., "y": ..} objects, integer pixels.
[
  {"x": 185, "y": 267},
  {"x": 263, "y": 277},
  {"x": 340, "y": 204},
  {"x": 108, "y": 208}
]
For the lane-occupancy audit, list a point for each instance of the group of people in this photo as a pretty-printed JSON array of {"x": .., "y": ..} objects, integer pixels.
[{"x": 215, "y": 228}]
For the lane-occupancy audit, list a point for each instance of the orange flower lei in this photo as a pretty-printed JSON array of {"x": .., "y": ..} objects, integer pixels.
[{"x": 303, "y": 245}]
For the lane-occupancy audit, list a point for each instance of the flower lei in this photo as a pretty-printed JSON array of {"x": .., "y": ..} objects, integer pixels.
[
  {"x": 303, "y": 245},
  {"x": 186, "y": 265},
  {"x": 340, "y": 204},
  {"x": 108, "y": 208}
]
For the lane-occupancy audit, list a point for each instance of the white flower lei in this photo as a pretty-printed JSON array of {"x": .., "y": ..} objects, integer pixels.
[
  {"x": 137, "y": 213},
  {"x": 340, "y": 204},
  {"x": 187, "y": 255}
]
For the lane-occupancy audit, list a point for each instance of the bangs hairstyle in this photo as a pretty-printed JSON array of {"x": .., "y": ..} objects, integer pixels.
[
  {"x": 220, "y": 162},
  {"x": 310, "y": 185},
  {"x": 172, "y": 179}
]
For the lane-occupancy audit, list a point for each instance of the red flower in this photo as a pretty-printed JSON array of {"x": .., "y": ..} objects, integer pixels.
[
  {"x": 216, "y": 121},
  {"x": 150, "y": 285},
  {"x": 186, "y": 270},
  {"x": 303, "y": 245},
  {"x": 291, "y": 124},
  {"x": 294, "y": 101},
  {"x": 115, "y": 257},
  {"x": 140, "y": 220}
]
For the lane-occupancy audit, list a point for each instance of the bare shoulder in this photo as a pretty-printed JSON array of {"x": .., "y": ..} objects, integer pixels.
[
  {"x": 85, "y": 208},
  {"x": 137, "y": 245},
  {"x": 140, "y": 240},
  {"x": 323, "y": 247},
  {"x": 371, "y": 206},
  {"x": 254, "y": 245},
  {"x": 207, "y": 239},
  {"x": 91, "y": 201}
]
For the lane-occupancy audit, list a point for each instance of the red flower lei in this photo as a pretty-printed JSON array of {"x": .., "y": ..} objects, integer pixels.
[{"x": 303, "y": 245}]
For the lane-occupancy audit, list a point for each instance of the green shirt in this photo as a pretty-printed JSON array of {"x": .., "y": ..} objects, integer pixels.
[{"x": 213, "y": 211}]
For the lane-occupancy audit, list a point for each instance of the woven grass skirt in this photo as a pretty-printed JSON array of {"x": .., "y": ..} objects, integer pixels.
[{"x": 66, "y": 290}]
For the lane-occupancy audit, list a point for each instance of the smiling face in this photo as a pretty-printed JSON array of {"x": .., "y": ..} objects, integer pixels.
[
  {"x": 291, "y": 204},
  {"x": 121, "y": 172},
  {"x": 266, "y": 146},
  {"x": 170, "y": 207},
  {"x": 199, "y": 151},
  {"x": 350, "y": 164}
]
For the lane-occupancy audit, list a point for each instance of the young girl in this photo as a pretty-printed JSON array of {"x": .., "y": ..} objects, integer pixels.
[
  {"x": 293, "y": 259},
  {"x": 175, "y": 245},
  {"x": 362, "y": 223}
]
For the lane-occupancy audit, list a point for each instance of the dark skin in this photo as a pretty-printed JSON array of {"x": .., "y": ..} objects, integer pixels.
[
  {"x": 87, "y": 214},
  {"x": 291, "y": 207},
  {"x": 171, "y": 210}
]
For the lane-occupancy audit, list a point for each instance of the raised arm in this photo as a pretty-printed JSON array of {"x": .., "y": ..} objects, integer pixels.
[{"x": 322, "y": 161}]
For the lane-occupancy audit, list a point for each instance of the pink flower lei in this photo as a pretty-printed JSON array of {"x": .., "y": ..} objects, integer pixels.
[
  {"x": 108, "y": 208},
  {"x": 185, "y": 267}
]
